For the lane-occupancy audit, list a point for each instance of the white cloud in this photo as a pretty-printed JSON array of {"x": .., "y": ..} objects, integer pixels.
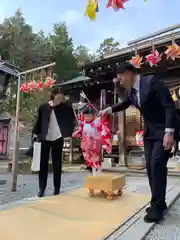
[{"x": 71, "y": 17}]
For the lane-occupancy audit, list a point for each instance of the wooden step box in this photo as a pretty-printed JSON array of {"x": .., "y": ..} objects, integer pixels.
[{"x": 108, "y": 184}]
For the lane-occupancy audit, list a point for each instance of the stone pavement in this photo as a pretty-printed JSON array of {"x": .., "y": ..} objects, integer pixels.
[
  {"x": 169, "y": 229},
  {"x": 28, "y": 185}
]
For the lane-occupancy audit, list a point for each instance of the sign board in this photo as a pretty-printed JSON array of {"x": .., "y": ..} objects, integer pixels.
[{"x": 140, "y": 138}]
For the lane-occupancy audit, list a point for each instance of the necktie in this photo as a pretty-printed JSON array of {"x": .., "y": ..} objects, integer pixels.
[{"x": 134, "y": 97}]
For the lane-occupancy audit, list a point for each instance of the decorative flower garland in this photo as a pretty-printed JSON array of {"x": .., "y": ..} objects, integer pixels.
[
  {"x": 136, "y": 61},
  {"x": 33, "y": 85},
  {"x": 153, "y": 58},
  {"x": 172, "y": 52}
]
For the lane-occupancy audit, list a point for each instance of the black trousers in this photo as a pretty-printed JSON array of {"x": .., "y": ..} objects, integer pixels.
[
  {"x": 156, "y": 164},
  {"x": 56, "y": 153}
]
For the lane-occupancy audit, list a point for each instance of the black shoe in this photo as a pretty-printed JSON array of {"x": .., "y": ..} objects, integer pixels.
[
  {"x": 40, "y": 194},
  {"x": 154, "y": 214},
  {"x": 56, "y": 192},
  {"x": 162, "y": 206}
]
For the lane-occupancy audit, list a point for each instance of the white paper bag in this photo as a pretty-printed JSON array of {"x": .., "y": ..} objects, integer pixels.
[{"x": 35, "y": 166}]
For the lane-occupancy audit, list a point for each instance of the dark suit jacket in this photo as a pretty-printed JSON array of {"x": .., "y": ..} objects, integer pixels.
[
  {"x": 157, "y": 107},
  {"x": 65, "y": 118},
  {"x": 177, "y": 134}
]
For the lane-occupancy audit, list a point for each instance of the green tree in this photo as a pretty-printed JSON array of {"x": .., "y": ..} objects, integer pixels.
[
  {"x": 16, "y": 40},
  {"x": 9, "y": 104},
  {"x": 108, "y": 45},
  {"x": 20, "y": 46},
  {"x": 30, "y": 103},
  {"x": 66, "y": 65},
  {"x": 82, "y": 55}
]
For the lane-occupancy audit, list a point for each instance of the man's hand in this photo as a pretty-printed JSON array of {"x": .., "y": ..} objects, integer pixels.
[
  {"x": 105, "y": 111},
  {"x": 168, "y": 141}
]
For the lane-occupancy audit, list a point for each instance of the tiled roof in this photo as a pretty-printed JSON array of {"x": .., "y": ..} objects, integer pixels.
[
  {"x": 75, "y": 80},
  {"x": 8, "y": 68}
]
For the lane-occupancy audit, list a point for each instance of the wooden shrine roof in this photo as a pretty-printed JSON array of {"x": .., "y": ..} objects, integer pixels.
[
  {"x": 105, "y": 68},
  {"x": 102, "y": 71},
  {"x": 143, "y": 48}
]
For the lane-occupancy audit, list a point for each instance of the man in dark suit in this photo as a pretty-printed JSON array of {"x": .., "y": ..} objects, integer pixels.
[
  {"x": 155, "y": 103},
  {"x": 55, "y": 122}
]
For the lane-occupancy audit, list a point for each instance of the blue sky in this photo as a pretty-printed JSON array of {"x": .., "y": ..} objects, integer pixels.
[{"x": 136, "y": 20}]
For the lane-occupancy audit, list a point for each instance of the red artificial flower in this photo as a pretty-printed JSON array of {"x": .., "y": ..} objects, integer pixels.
[
  {"x": 32, "y": 85},
  {"x": 49, "y": 82},
  {"x": 116, "y": 4},
  {"x": 153, "y": 58},
  {"x": 24, "y": 88},
  {"x": 39, "y": 85}
]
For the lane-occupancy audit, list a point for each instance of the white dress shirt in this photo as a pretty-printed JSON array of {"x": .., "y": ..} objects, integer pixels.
[{"x": 54, "y": 131}]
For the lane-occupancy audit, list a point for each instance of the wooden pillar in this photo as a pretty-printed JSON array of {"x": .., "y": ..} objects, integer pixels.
[
  {"x": 122, "y": 139},
  {"x": 115, "y": 101},
  {"x": 48, "y": 72},
  {"x": 103, "y": 99}
]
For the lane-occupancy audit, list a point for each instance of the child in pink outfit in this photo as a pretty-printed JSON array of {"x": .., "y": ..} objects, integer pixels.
[{"x": 95, "y": 134}]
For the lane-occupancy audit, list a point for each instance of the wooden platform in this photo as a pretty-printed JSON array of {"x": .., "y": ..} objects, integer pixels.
[{"x": 107, "y": 184}]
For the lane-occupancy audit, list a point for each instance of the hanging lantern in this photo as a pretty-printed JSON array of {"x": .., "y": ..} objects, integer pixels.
[
  {"x": 153, "y": 58},
  {"x": 116, "y": 4},
  {"x": 91, "y": 9},
  {"x": 136, "y": 61},
  {"x": 173, "y": 52}
]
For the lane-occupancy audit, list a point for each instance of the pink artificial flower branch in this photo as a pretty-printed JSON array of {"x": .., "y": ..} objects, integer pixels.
[{"x": 33, "y": 85}]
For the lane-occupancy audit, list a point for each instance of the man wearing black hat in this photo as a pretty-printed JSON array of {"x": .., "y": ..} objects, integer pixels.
[{"x": 153, "y": 99}]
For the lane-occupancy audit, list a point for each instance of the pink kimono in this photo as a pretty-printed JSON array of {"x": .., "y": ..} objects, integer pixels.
[{"x": 95, "y": 136}]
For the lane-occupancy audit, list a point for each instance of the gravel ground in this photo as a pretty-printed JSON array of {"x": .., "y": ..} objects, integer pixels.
[
  {"x": 28, "y": 185},
  {"x": 169, "y": 229}
]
